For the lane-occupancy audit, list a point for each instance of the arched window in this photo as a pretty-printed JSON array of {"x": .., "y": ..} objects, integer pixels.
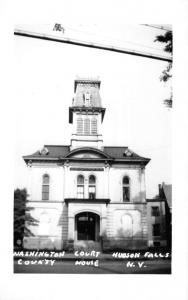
[
  {"x": 92, "y": 187},
  {"x": 45, "y": 186},
  {"x": 87, "y": 126},
  {"x": 80, "y": 125},
  {"x": 93, "y": 125},
  {"x": 80, "y": 186},
  {"x": 126, "y": 189}
]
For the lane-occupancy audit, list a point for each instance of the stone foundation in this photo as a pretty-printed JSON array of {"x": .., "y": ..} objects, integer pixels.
[{"x": 123, "y": 244}]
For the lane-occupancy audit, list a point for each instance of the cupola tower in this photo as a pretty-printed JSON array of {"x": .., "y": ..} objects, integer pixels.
[{"x": 86, "y": 114}]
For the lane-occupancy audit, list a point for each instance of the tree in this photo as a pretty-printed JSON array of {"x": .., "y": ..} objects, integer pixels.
[
  {"x": 167, "y": 39},
  {"x": 22, "y": 217}
]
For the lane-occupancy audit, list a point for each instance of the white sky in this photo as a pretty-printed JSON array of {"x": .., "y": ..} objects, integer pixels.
[{"x": 130, "y": 89}]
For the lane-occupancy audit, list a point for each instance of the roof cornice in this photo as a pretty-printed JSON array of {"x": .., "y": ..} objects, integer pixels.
[{"x": 85, "y": 108}]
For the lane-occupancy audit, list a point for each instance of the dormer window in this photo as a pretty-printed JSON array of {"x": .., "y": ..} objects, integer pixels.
[
  {"x": 87, "y": 98},
  {"x": 44, "y": 151},
  {"x": 128, "y": 153}
]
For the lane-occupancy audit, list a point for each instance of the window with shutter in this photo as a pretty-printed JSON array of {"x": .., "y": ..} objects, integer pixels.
[
  {"x": 80, "y": 125},
  {"x": 87, "y": 126},
  {"x": 94, "y": 126}
]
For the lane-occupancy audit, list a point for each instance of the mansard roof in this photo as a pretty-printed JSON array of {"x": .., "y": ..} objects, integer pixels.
[
  {"x": 54, "y": 151},
  {"x": 90, "y": 86},
  {"x": 85, "y": 81},
  {"x": 120, "y": 152},
  {"x": 109, "y": 153},
  {"x": 82, "y": 87}
]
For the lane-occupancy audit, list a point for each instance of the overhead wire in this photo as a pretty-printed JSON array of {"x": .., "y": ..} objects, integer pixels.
[
  {"x": 91, "y": 45},
  {"x": 160, "y": 27},
  {"x": 114, "y": 39}
]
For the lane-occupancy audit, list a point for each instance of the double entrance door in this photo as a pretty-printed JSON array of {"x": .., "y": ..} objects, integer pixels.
[{"x": 87, "y": 226}]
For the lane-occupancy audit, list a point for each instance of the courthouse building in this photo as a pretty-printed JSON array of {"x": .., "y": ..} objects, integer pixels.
[{"x": 87, "y": 194}]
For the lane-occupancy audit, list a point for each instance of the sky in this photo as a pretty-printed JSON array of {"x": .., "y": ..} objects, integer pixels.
[{"x": 131, "y": 92}]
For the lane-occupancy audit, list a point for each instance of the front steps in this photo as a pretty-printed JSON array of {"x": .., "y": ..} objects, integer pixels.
[{"x": 87, "y": 245}]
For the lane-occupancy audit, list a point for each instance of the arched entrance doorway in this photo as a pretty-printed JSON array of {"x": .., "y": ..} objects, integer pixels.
[{"x": 87, "y": 225}]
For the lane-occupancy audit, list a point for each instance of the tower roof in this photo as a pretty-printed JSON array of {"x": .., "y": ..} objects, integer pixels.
[
  {"x": 87, "y": 97},
  {"x": 87, "y": 89}
]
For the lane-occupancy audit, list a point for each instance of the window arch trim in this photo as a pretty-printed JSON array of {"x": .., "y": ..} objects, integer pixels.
[
  {"x": 80, "y": 186},
  {"x": 126, "y": 188},
  {"x": 92, "y": 186}
]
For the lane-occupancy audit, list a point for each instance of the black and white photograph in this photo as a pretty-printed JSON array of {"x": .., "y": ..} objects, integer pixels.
[
  {"x": 93, "y": 193},
  {"x": 94, "y": 150}
]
